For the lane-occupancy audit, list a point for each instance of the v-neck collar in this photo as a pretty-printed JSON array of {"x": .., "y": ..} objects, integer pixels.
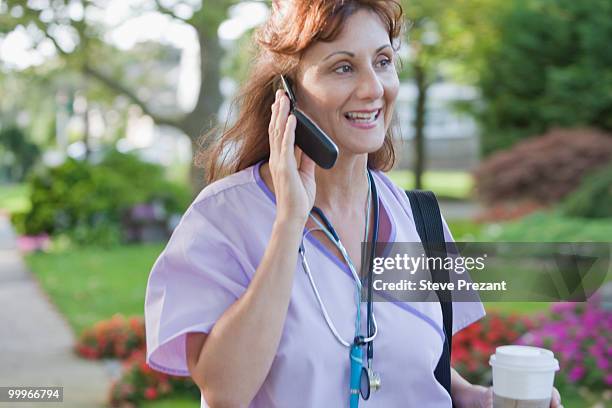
[{"x": 312, "y": 239}]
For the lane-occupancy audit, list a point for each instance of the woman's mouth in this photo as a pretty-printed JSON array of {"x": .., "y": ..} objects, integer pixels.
[{"x": 364, "y": 119}]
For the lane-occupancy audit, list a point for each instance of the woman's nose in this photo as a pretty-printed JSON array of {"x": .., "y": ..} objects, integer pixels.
[{"x": 370, "y": 86}]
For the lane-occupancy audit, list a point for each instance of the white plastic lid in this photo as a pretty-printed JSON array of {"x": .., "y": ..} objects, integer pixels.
[{"x": 524, "y": 358}]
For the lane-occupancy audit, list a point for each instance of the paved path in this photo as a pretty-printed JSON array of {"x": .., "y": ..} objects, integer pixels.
[
  {"x": 453, "y": 210},
  {"x": 36, "y": 342}
]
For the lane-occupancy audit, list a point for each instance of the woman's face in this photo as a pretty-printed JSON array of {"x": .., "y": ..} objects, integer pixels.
[{"x": 349, "y": 86}]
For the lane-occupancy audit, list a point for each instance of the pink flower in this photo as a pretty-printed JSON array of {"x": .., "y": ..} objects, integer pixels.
[
  {"x": 576, "y": 373},
  {"x": 603, "y": 363}
]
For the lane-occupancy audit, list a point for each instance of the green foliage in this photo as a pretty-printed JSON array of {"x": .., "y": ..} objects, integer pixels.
[
  {"x": 88, "y": 202},
  {"x": 593, "y": 199},
  {"x": 551, "y": 67},
  {"x": 464, "y": 229},
  {"x": 22, "y": 153},
  {"x": 549, "y": 227}
]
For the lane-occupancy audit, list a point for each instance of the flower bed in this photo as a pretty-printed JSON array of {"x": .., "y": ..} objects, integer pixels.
[
  {"x": 114, "y": 338},
  {"x": 124, "y": 339},
  {"x": 580, "y": 335},
  {"x": 473, "y": 345},
  {"x": 139, "y": 382}
]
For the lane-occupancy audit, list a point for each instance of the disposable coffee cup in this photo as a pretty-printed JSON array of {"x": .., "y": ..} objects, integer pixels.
[{"x": 523, "y": 376}]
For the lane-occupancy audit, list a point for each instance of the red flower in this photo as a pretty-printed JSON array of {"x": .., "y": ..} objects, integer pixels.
[
  {"x": 150, "y": 393},
  {"x": 144, "y": 368}
]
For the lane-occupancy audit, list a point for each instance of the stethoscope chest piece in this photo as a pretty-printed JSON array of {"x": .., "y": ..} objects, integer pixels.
[{"x": 370, "y": 381}]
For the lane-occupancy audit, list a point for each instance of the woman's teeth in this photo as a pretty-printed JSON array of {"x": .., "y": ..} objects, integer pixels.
[{"x": 362, "y": 117}]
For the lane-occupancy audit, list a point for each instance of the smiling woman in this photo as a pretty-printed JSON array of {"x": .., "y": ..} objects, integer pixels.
[
  {"x": 229, "y": 303},
  {"x": 311, "y": 34}
]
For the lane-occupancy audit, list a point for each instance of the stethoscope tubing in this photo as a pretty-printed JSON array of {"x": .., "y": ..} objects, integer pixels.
[{"x": 328, "y": 230}]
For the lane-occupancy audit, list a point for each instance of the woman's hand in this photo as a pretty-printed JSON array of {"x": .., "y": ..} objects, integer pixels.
[
  {"x": 477, "y": 396},
  {"x": 292, "y": 171}
]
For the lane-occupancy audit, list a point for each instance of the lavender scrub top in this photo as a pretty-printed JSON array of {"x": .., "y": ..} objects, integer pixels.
[{"x": 210, "y": 260}]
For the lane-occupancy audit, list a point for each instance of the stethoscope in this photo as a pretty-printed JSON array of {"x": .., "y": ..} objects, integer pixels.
[{"x": 363, "y": 380}]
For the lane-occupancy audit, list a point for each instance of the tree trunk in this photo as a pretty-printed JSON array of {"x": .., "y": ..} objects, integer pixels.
[
  {"x": 204, "y": 116},
  {"x": 419, "y": 125},
  {"x": 197, "y": 174},
  {"x": 86, "y": 134}
]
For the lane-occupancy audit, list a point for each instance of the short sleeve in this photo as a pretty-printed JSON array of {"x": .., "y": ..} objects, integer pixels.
[
  {"x": 464, "y": 313},
  {"x": 195, "y": 279}
]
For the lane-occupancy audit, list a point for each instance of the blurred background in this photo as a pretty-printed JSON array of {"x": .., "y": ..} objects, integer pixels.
[{"x": 505, "y": 111}]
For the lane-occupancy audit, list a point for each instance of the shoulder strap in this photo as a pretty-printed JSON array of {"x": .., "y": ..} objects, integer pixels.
[{"x": 428, "y": 221}]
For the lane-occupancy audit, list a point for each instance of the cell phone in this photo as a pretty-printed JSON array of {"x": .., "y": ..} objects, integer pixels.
[{"x": 308, "y": 135}]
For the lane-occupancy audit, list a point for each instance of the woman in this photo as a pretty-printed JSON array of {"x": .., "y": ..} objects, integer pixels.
[{"x": 229, "y": 302}]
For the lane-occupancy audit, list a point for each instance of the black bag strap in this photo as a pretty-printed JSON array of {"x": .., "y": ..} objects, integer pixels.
[{"x": 428, "y": 221}]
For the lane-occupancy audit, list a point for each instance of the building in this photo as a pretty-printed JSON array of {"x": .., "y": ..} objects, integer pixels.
[{"x": 451, "y": 137}]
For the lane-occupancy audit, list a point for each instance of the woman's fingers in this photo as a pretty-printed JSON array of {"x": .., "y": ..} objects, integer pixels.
[
  {"x": 488, "y": 399},
  {"x": 272, "y": 127},
  {"x": 306, "y": 165},
  {"x": 283, "y": 112},
  {"x": 555, "y": 401},
  {"x": 297, "y": 153},
  {"x": 287, "y": 148},
  {"x": 278, "y": 124}
]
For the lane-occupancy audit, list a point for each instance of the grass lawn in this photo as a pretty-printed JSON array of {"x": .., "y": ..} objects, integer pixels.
[
  {"x": 446, "y": 184},
  {"x": 518, "y": 307},
  {"x": 89, "y": 285},
  {"x": 14, "y": 197}
]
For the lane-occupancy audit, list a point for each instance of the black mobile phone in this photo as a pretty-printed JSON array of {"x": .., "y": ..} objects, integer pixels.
[{"x": 308, "y": 136}]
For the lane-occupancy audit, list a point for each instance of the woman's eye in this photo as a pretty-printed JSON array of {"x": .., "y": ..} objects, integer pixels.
[
  {"x": 343, "y": 69},
  {"x": 385, "y": 62}
]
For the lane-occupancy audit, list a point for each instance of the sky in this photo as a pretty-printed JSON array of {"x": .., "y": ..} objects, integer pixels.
[
  {"x": 16, "y": 47},
  {"x": 125, "y": 31}
]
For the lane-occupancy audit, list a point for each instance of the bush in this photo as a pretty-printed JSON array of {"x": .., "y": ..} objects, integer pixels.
[
  {"x": 473, "y": 345},
  {"x": 548, "y": 65},
  {"x": 542, "y": 169},
  {"x": 139, "y": 382},
  {"x": 593, "y": 199},
  {"x": 89, "y": 203},
  {"x": 118, "y": 338},
  {"x": 20, "y": 154},
  {"x": 580, "y": 335}
]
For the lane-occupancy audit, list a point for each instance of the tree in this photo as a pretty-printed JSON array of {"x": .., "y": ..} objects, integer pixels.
[
  {"x": 551, "y": 68},
  {"x": 23, "y": 154},
  {"x": 84, "y": 55},
  {"x": 446, "y": 38}
]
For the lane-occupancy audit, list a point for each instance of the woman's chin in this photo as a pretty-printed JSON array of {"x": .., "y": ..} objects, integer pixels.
[
  {"x": 361, "y": 149},
  {"x": 369, "y": 142}
]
